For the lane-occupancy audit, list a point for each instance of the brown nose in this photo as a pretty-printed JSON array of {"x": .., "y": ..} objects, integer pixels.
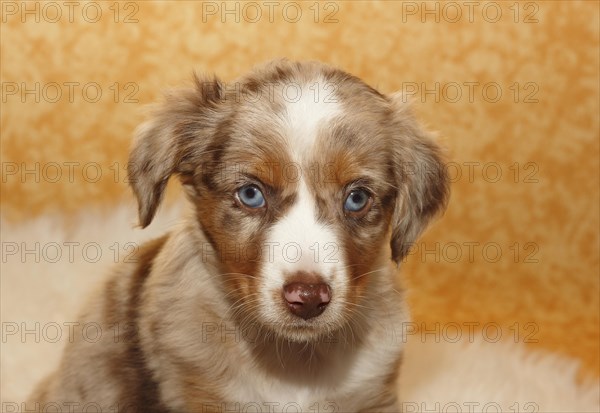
[{"x": 307, "y": 300}]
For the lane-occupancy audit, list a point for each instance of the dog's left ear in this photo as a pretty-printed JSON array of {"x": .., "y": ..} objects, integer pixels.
[
  {"x": 421, "y": 179},
  {"x": 177, "y": 133}
]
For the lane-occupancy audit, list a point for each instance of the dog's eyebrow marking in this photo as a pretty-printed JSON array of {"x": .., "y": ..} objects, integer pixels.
[{"x": 305, "y": 113}]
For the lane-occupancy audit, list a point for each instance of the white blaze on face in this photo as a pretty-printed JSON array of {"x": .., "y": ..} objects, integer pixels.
[
  {"x": 307, "y": 107},
  {"x": 297, "y": 241}
]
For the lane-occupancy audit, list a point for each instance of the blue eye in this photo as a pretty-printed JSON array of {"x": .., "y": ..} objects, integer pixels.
[
  {"x": 251, "y": 196},
  {"x": 357, "y": 200}
]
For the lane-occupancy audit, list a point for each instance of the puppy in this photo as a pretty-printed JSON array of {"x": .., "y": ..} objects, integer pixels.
[{"x": 278, "y": 292}]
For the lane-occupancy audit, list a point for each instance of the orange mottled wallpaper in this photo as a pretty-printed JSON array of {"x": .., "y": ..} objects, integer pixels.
[{"x": 511, "y": 89}]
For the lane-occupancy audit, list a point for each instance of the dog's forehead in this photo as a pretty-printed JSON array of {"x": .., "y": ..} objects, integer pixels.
[
  {"x": 313, "y": 121},
  {"x": 305, "y": 117}
]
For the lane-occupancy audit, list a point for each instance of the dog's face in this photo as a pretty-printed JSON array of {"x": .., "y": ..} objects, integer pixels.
[{"x": 306, "y": 182}]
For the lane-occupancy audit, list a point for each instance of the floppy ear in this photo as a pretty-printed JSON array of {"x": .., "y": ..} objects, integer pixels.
[
  {"x": 421, "y": 178},
  {"x": 177, "y": 130}
]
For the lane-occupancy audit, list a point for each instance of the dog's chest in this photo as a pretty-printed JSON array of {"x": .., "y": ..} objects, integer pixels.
[
  {"x": 257, "y": 394},
  {"x": 349, "y": 389}
]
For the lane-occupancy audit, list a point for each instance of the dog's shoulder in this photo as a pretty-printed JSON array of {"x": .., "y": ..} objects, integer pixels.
[{"x": 104, "y": 364}]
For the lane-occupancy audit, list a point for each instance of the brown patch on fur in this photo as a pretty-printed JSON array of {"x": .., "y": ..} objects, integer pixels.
[
  {"x": 140, "y": 391},
  {"x": 355, "y": 154},
  {"x": 253, "y": 159},
  {"x": 111, "y": 305},
  {"x": 201, "y": 395}
]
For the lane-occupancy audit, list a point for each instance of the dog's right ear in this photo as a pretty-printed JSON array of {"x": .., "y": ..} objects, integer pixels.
[{"x": 177, "y": 130}]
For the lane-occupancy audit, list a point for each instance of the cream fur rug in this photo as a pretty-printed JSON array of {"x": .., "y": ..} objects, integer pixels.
[{"x": 49, "y": 287}]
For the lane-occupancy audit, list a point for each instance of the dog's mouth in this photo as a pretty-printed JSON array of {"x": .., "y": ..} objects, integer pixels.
[
  {"x": 306, "y": 331},
  {"x": 295, "y": 330},
  {"x": 317, "y": 323}
]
